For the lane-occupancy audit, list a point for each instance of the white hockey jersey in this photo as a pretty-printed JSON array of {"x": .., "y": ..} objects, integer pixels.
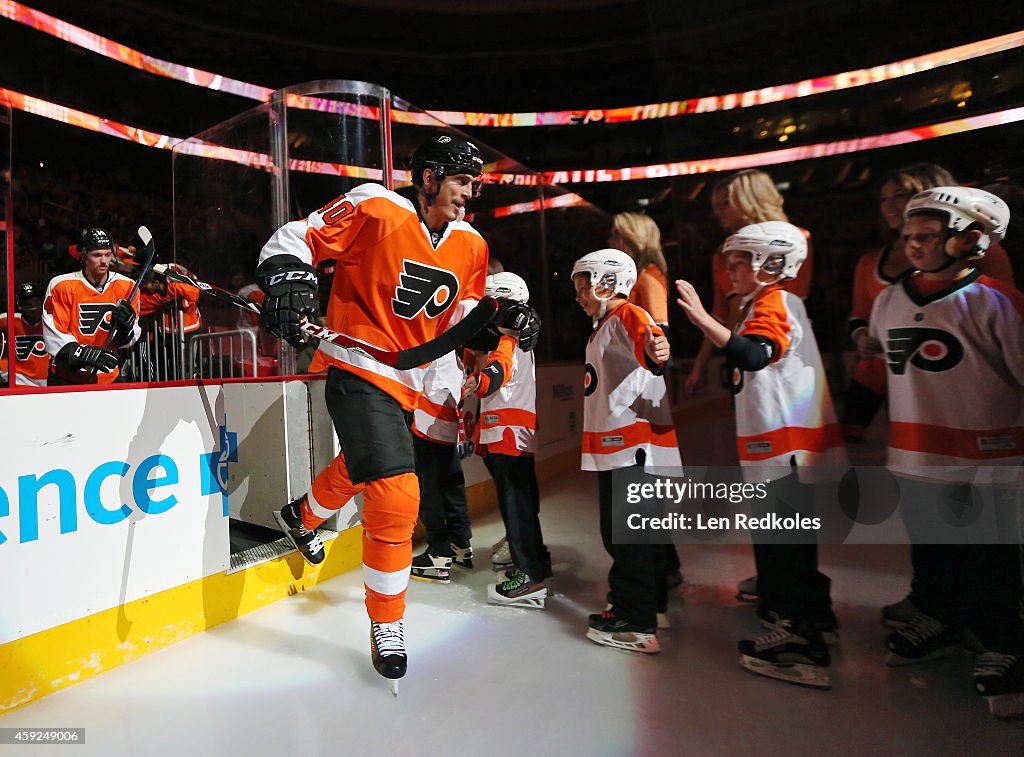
[
  {"x": 626, "y": 409},
  {"x": 436, "y": 416},
  {"x": 955, "y": 373},
  {"x": 508, "y": 417},
  {"x": 784, "y": 412}
]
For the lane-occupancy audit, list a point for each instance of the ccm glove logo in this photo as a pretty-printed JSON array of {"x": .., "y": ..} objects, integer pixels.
[
  {"x": 291, "y": 277},
  {"x": 931, "y": 350}
]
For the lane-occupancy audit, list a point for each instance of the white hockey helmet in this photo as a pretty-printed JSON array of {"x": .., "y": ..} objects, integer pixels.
[
  {"x": 776, "y": 247},
  {"x": 507, "y": 286},
  {"x": 965, "y": 208},
  {"x": 612, "y": 269}
]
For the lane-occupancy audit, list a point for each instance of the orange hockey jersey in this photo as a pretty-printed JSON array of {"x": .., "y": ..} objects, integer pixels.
[
  {"x": 31, "y": 360},
  {"x": 392, "y": 287},
  {"x": 76, "y": 311},
  {"x": 179, "y": 298}
]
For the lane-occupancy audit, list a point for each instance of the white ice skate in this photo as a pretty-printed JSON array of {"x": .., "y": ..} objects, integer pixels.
[{"x": 518, "y": 591}]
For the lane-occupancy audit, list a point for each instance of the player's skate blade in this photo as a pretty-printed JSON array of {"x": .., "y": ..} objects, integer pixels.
[
  {"x": 627, "y": 641},
  {"x": 801, "y": 674}
]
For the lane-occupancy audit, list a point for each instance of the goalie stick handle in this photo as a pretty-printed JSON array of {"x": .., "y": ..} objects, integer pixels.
[{"x": 402, "y": 360}]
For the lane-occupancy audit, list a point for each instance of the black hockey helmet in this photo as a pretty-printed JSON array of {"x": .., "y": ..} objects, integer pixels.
[
  {"x": 91, "y": 239},
  {"x": 25, "y": 292},
  {"x": 446, "y": 154}
]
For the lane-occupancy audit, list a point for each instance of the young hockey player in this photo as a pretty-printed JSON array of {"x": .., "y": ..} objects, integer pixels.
[
  {"x": 627, "y": 421},
  {"x": 86, "y": 317},
  {"x": 31, "y": 363},
  {"x": 408, "y": 267},
  {"x": 784, "y": 418},
  {"x": 954, "y": 339},
  {"x": 444, "y": 510},
  {"x": 505, "y": 380}
]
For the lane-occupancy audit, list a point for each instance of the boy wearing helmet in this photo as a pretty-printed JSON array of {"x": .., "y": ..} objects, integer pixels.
[
  {"x": 954, "y": 342},
  {"x": 86, "y": 317},
  {"x": 627, "y": 421},
  {"x": 31, "y": 362},
  {"x": 408, "y": 267},
  {"x": 505, "y": 380},
  {"x": 784, "y": 418}
]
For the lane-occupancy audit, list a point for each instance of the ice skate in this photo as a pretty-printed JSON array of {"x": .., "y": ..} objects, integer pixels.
[
  {"x": 616, "y": 633},
  {"x": 827, "y": 625},
  {"x": 431, "y": 568},
  {"x": 307, "y": 543},
  {"x": 790, "y": 653},
  {"x": 463, "y": 554},
  {"x": 501, "y": 556},
  {"x": 387, "y": 650},
  {"x": 746, "y": 590},
  {"x": 922, "y": 639},
  {"x": 519, "y": 590},
  {"x": 1000, "y": 679}
]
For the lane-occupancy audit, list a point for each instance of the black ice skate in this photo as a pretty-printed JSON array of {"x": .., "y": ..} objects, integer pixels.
[
  {"x": 307, "y": 543},
  {"x": 463, "y": 554},
  {"x": 616, "y": 633},
  {"x": 387, "y": 650},
  {"x": 1000, "y": 679},
  {"x": 518, "y": 590},
  {"x": 827, "y": 624},
  {"x": 792, "y": 653},
  {"x": 431, "y": 568},
  {"x": 922, "y": 639}
]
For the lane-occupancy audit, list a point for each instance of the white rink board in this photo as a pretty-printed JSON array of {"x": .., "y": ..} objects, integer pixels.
[{"x": 60, "y": 566}]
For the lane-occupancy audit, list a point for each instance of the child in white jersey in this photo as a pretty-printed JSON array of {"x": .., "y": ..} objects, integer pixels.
[
  {"x": 505, "y": 381},
  {"x": 627, "y": 421},
  {"x": 954, "y": 340},
  {"x": 784, "y": 420}
]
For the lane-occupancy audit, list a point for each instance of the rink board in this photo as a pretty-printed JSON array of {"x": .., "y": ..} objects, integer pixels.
[{"x": 114, "y": 514}]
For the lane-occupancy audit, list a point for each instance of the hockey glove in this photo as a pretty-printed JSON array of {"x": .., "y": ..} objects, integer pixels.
[
  {"x": 122, "y": 319},
  {"x": 290, "y": 286},
  {"x": 511, "y": 315},
  {"x": 77, "y": 357},
  {"x": 529, "y": 335}
]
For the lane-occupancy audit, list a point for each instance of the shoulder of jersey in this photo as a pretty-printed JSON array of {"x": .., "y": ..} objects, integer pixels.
[
  {"x": 65, "y": 278},
  {"x": 1015, "y": 296},
  {"x": 390, "y": 201}
]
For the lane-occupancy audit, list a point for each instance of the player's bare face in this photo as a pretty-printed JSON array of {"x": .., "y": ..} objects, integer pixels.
[
  {"x": 585, "y": 295},
  {"x": 741, "y": 272},
  {"x": 892, "y": 199},
  {"x": 97, "y": 265},
  {"x": 923, "y": 240},
  {"x": 450, "y": 204}
]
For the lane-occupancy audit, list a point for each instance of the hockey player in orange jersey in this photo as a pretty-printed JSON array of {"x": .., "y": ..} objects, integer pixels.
[
  {"x": 31, "y": 363},
  {"x": 86, "y": 316},
  {"x": 408, "y": 267}
]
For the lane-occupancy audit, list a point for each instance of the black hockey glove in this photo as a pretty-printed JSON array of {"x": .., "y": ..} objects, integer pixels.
[
  {"x": 77, "y": 357},
  {"x": 290, "y": 286},
  {"x": 511, "y": 315},
  {"x": 529, "y": 334},
  {"x": 122, "y": 319}
]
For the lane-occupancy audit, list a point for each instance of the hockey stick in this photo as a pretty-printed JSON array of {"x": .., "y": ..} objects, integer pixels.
[{"x": 401, "y": 360}]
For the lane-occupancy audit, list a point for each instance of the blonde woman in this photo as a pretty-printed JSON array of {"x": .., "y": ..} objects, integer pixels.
[
  {"x": 739, "y": 200},
  {"x": 638, "y": 236}
]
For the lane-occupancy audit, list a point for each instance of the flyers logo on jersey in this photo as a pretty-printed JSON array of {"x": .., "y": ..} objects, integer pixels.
[
  {"x": 28, "y": 346},
  {"x": 589, "y": 380},
  {"x": 931, "y": 350},
  {"x": 424, "y": 288},
  {"x": 93, "y": 317}
]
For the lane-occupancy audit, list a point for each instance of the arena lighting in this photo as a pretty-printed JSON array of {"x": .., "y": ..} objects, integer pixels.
[
  {"x": 494, "y": 173},
  {"x": 75, "y": 35}
]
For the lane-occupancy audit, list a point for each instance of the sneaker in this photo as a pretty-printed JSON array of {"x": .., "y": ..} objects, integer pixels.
[
  {"x": 387, "y": 648},
  {"x": 898, "y": 614},
  {"x": 923, "y": 638},
  {"x": 616, "y": 633},
  {"x": 463, "y": 552},
  {"x": 432, "y": 568},
  {"x": 746, "y": 590},
  {"x": 1000, "y": 679},
  {"x": 792, "y": 653},
  {"x": 501, "y": 556},
  {"x": 307, "y": 543},
  {"x": 827, "y": 625},
  {"x": 518, "y": 591}
]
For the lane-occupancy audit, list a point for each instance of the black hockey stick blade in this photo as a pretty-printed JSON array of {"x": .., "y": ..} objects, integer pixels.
[{"x": 221, "y": 294}]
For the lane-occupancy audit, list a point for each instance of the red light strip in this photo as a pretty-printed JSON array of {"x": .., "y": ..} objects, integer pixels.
[{"x": 75, "y": 35}]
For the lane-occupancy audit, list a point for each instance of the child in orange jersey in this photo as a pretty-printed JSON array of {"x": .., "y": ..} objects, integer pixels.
[
  {"x": 784, "y": 418},
  {"x": 627, "y": 422}
]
